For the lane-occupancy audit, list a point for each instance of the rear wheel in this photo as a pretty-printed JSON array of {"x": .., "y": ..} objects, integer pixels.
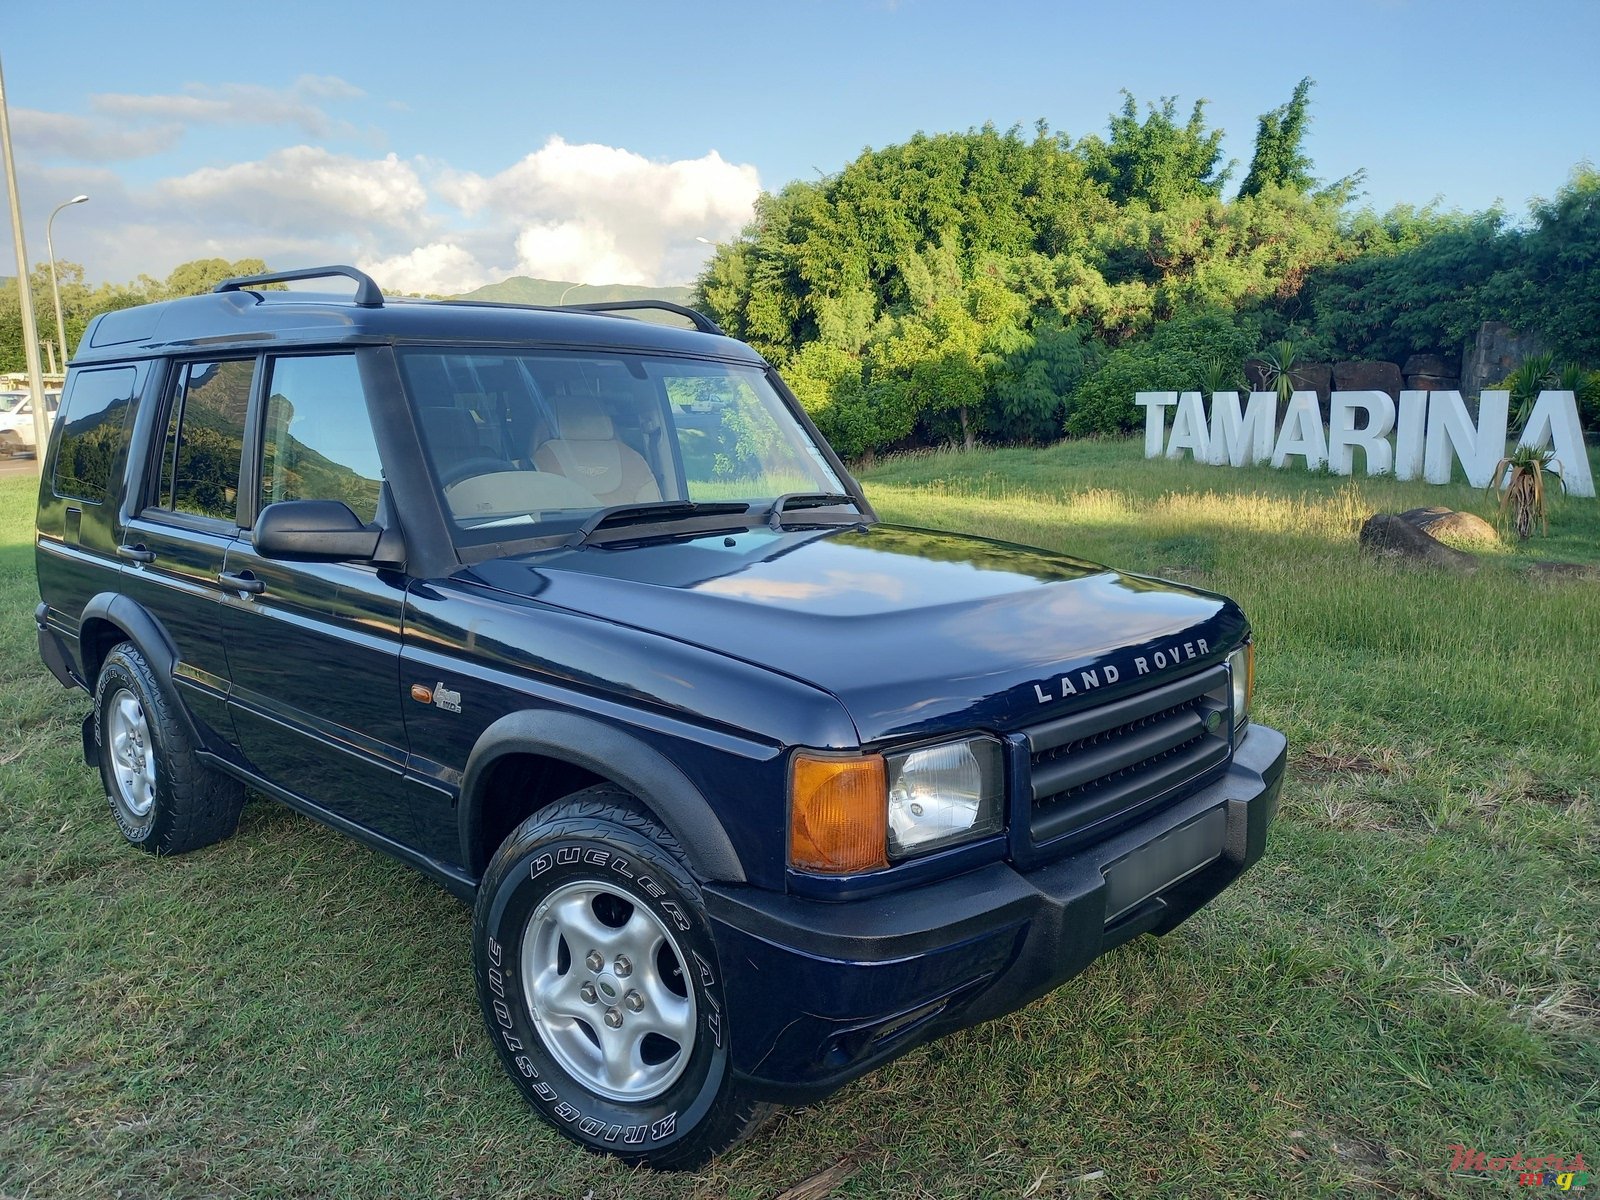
[
  {"x": 162, "y": 797},
  {"x": 601, "y": 988}
]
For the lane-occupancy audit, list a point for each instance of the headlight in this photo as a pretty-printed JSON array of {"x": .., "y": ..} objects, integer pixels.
[
  {"x": 940, "y": 795},
  {"x": 851, "y": 813},
  {"x": 1242, "y": 666}
]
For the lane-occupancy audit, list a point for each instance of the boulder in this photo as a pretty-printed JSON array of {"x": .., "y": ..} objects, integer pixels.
[
  {"x": 1445, "y": 524},
  {"x": 1389, "y": 536},
  {"x": 1368, "y": 377},
  {"x": 1306, "y": 377},
  {"x": 1314, "y": 377},
  {"x": 1426, "y": 364},
  {"x": 1497, "y": 351}
]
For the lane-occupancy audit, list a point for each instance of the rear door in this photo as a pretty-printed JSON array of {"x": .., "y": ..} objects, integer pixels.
[{"x": 177, "y": 542}]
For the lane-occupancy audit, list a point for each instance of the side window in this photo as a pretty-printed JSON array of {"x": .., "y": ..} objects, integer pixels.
[
  {"x": 317, "y": 443},
  {"x": 92, "y": 427},
  {"x": 205, "y": 439}
]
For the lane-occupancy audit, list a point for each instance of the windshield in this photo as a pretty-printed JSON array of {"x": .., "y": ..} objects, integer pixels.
[{"x": 530, "y": 444}]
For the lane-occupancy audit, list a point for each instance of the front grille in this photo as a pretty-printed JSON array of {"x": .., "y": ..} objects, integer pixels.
[{"x": 1096, "y": 770}]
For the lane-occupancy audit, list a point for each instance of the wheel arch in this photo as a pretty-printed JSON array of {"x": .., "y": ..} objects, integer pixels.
[
  {"x": 595, "y": 752},
  {"x": 111, "y": 618}
]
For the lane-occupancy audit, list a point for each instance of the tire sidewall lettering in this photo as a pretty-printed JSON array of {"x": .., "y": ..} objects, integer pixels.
[{"x": 604, "y": 1124}]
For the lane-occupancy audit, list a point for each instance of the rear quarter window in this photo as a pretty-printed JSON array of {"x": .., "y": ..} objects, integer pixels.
[{"x": 93, "y": 420}]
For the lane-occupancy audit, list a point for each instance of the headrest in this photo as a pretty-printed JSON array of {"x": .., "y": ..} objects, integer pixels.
[
  {"x": 449, "y": 427},
  {"x": 579, "y": 420}
]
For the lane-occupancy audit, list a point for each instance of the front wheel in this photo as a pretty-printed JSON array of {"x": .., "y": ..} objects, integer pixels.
[{"x": 601, "y": 988}]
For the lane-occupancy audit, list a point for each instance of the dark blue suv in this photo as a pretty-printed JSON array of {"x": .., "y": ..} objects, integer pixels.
[{"x": 575, "y": 612}]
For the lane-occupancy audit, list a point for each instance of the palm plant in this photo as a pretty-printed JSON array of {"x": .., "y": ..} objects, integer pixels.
[
  {"x": 1218, "y": 376},
  {"x": 1535, "y": 373},
  {"x": 1519, "y": 477},
  {"x": 1279, "y": 360}
]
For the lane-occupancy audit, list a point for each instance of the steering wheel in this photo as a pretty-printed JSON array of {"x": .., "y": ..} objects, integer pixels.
[{"x": 471, "y": 467}]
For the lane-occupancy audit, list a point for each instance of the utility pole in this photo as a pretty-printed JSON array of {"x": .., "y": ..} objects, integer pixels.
[{"x": 30, "y": 331}]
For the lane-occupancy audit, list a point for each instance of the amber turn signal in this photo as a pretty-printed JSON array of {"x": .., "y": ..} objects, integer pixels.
[
  {"x": 838, "y": 814},
  {"x": 1249, "y": 674}
]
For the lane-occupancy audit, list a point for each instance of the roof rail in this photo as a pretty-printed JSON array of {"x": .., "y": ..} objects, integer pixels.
[
  {"x": 701, "y": 322},
  {"x": 368, "y": 294}
]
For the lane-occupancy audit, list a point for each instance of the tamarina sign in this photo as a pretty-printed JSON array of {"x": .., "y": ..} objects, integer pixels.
[{"x": 1421, "y": 438}]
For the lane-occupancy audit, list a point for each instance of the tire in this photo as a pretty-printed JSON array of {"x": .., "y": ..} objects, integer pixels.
[
  {"x": 588, "y": 906},
  {"x": 162, "y": 797}
]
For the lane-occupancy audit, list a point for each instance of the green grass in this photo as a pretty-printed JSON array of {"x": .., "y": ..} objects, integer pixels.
[{"x": 1415, "y": 962}]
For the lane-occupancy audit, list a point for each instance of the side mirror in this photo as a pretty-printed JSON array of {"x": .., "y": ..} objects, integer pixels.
[{"x": 314, "y": 530}]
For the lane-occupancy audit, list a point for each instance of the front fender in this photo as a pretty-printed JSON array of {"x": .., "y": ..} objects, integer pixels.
[{"x": 612, "y": 754}]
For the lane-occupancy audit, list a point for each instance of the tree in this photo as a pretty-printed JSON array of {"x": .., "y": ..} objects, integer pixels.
[
  {"x": 1279, "y": 160},
  {"x": 1157, "y": 161},
  {"x": 200, "y": 275}
]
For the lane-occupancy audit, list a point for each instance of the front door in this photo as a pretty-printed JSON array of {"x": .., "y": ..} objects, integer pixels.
[{"x": 315, "y": 647}]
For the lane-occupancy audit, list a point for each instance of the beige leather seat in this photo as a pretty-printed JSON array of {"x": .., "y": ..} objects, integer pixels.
[{"x": 586, "y": 450}]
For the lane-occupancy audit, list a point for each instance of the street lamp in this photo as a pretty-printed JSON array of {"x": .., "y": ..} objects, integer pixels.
[
  {"x": 563, "y": 299},
  {"x": 30, "y": 332},
  {"x": 55, "y": 286}
]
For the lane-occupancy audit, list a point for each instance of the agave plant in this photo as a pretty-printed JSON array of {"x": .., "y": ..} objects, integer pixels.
[
  {"x": 1535, "y": 373},
  {"x": 1217, "y": 376},
  {"x": 1279, "y": 360},
  {"x": 1519, "y": 477}
]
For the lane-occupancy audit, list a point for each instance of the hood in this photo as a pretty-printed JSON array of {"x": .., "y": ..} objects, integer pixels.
[{"x": 915, "y": 632}]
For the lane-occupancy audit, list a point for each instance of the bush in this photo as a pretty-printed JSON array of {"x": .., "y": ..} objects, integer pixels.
[{"x": 1177, "y": 356}]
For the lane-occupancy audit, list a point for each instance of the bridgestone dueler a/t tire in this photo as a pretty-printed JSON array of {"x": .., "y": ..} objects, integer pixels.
[
  {"x": 598, "y": 840},
  {"x": 192, "y": 805}
]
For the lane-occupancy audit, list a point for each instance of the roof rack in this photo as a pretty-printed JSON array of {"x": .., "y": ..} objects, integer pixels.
[
  {"x": 368, "y": 294},
  {"x": 700, "y": 321}
]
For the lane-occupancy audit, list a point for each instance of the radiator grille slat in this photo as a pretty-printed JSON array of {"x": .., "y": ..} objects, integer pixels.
[{"x": 1093, "y": 770}]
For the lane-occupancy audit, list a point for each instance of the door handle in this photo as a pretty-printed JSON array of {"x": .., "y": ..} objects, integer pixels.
[
  {"x": 242, "y": 583},
  {"x": 136, "y": 554}
]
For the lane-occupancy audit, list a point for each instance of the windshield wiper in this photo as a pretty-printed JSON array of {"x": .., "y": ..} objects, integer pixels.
[
  {"x": 793, "y": 500},
  {"x": 649, "y": 511}
]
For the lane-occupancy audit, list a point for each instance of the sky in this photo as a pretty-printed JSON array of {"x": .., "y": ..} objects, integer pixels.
[{"x": 443, "y": 146}]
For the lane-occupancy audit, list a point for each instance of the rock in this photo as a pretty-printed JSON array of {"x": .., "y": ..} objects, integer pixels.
[
  {"x": 1314, "y": 377},
  {"x": 1448, "y": 525},
  {"x": 1389, "y": 536},
  {"x": 1497, "y": 351},
  {"x": 1433, "y": 383},
  {"x": 1368, "y": 377},
  {"x": 1425, "y": 364}
]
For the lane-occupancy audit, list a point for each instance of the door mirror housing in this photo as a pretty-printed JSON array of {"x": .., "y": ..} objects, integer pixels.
[{"x": 313, "y": 530}]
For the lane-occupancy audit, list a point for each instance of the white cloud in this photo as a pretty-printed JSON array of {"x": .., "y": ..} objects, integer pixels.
[
  {"x": 47, "y": 135},
  {"x": 240, "y": 104},
  {"x": 600, "y": 214},
  {"x": 305, "y": 188},
  {"x": 585, "y": 213},
  {"x": 441, "y": 268}
]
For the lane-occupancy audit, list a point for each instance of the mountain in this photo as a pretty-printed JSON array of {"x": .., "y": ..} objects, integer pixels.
[{"x": 520, "y": 289}]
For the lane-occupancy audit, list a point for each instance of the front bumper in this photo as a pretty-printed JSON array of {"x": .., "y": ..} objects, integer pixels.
[{"x": 823, "y": 992}]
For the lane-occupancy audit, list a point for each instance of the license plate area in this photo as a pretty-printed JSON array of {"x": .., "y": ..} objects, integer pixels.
[{"x": 1159, "y": 864}]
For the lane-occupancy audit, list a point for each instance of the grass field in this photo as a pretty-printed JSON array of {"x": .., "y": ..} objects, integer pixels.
[{"x": 1415, "y": 963}]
